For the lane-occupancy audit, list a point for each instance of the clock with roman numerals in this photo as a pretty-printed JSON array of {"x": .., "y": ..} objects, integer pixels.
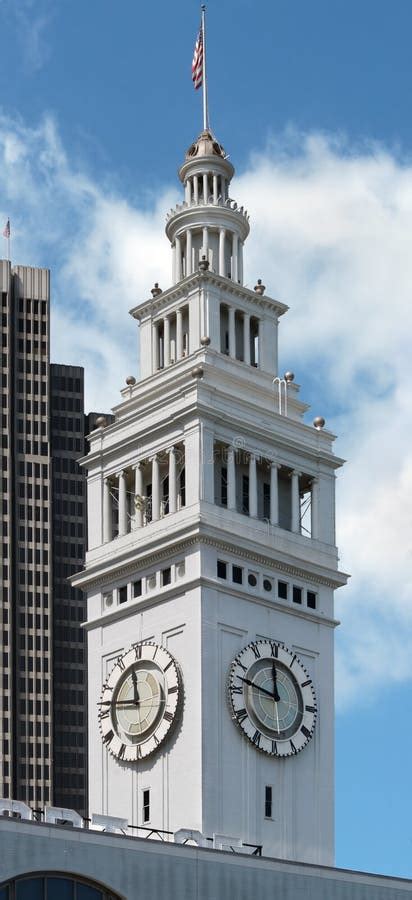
[
  {"x": 140, "y": 701},
  {"x": 272, "y": 698}
]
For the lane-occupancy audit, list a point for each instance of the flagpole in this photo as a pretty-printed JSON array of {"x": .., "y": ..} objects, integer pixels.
[{"x": 205, "y": 100}]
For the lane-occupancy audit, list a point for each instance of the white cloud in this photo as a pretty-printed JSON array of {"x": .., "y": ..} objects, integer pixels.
[
  {"x": 331, "y": 228},
  {"x": 31, "y": 19}
]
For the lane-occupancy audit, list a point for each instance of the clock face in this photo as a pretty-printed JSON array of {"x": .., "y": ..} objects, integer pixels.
[
  {"x": 272, "y": 698},
  {"x": 139, "y": 702}
]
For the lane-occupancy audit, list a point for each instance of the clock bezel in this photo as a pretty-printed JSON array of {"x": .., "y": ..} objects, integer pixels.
[
  {"x": 160, "y": 658},
  {"x": 245, "y": 719}
]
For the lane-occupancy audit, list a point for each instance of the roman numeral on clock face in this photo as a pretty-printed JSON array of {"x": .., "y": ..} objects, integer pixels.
[
  {"x": 305, "y": 731},
  {"x": 237, "y": 689},
  {"x": 122, "y": 751},
  {"x": 274, "y": 649},
  {"x": 168, "y": 716},
  {"x": 172, "y": 690},
  {"x": 241, "y": 715},
  {"x": 256, "y": 651},
  {"x": 305, "y": 683},
  {"x": 138, "y": 650},
  {"x": 256, "y": 738},
  {"x": 120, "y": 663},
  {"x": 107, "y": 737}
]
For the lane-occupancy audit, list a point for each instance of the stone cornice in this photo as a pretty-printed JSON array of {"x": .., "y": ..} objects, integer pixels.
[
  {"x": 105, "y": 572},
  {"x": 201, "y": 279}
]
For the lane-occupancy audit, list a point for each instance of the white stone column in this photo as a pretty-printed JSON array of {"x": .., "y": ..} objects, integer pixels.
[
  {"x": 172, "y": 480},
  {"x": 295, "y": 502},
  {"x": 206, "y": 241},
  {"x": 232, "y": 332},
  {"x": 174, "y": 263},
  {"x": 234, "y": 257},
  {"x": 155, "y": 489},
  {"x": 155, "y": 347},
  {"x": 166, "y": 341},
  {"x": 223, "y": 184},
  {"x": 107, "y": 511},
  {"x": 231, "y": 479},
  {"x": 240, "y": 263},
  {"x": 188, "y": 252},
  {"x": 253, "y": 505},
  {"x": 188, "y": 191},
  {"x": 178, "y": 260},
  {"x": 205, "y": 190},
  {"x": 196, "y": 189},
  {"x": 138, "y": 492},
  {"x": 246, "y": 338},
  {"x": 222, "y": 239},
  {"x": 122, "y": 504},
  {"x": 274, "y": 493},
  {"x": 314, "y": 525},
  {"x": 258, "y": 359},
  {"x": 215, "y": 189},
  {"x": 179, "y": 333}
]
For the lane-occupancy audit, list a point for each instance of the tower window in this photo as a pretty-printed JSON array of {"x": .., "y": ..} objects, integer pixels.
[
  {"x": 137, "y": 588},
  {"x": 146, "y": 805},
  {"x": 268, "y": 801},
  {"x": 221, "y": 569},
  {"x": 267, "y": 584},
  {"x": 282, "y": 590},
  {"x": 237, "y": 575},
  {"x": 166, "y": 576},
  {"x": 311, "y": 599},
  {"x": 123, "y": 594},
  {"x": 252, "y": 580},
  {"x": 297, "y": 594}
]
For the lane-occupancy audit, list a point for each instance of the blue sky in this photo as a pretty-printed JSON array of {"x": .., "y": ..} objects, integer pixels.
[{"x": 312, "y": 101}]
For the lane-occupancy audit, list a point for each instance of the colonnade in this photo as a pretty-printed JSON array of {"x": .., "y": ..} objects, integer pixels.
[
  {"x": 295, "y": 492},
  {"x": 248, "y": 350},
  {"x": 207, "y": 187},
  {"x": 134, "y": 481},
  {"x": 227, "y": 247},
  {"x": 172, "y": 349}
]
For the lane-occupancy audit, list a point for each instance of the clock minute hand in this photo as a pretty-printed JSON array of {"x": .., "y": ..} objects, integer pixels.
[
  {"x": 257, "y": 686},
  {"x": 276, "y": 695}
]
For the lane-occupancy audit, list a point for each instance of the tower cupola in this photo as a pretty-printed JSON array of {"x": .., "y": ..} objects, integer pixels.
[{"x": 208, "y": 223}]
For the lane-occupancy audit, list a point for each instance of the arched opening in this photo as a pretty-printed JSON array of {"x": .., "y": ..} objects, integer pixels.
[{"x": 54, "y": 886}]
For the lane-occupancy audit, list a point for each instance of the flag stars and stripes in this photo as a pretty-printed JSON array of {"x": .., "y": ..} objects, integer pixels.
[
  {"x": 6, "y": 230},
  {"x": 197, "y": 64}
]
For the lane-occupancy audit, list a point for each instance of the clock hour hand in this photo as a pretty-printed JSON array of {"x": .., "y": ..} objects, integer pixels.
[{"x": 256, "y": 686}]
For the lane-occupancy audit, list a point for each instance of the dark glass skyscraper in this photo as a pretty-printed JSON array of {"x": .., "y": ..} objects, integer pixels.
[{"x": 43, "y": 711}]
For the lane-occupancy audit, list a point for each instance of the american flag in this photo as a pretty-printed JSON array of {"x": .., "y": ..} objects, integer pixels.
[
  {"x": 197, "y": 64},
  {"x": 6, "y": 229}
]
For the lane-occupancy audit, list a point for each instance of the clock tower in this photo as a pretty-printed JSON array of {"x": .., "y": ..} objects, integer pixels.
[{"x": 212, "y": 560}]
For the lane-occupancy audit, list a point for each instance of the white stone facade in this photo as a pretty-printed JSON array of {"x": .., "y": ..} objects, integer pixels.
[{"x": 211, "y": 525}]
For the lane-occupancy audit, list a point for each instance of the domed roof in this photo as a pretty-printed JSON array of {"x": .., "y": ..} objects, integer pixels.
[{"x": 206, "y": 145}]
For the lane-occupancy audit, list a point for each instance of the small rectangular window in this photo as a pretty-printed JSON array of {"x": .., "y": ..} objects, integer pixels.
[
  {"x": 268, "y": 801},
  {"x": 266, "y": 500},
  {"x": 137, "y": 588},
  {"x": 297, "y": 594},
  {"x": 311, "y": 599},
  {"x": 146, "y": 805},
  {"x": 221, "y": 569},
  {"x": 123, "y": 594},
  {"x": 283, "y": 590},
  {"x": 237, "y": 575},
  {"x": 167, "y": 576}
]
